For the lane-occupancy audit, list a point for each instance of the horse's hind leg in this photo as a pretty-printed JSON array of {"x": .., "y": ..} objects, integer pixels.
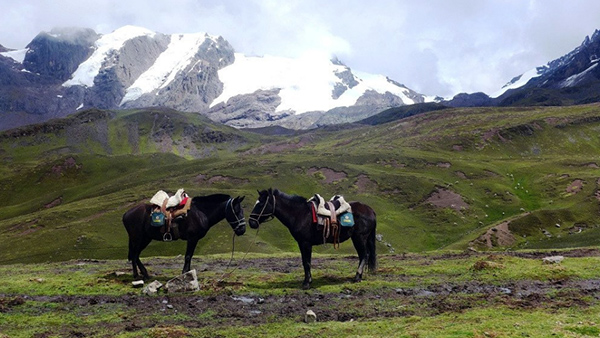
[
  {"x": 136, "y": 263},
  {"x": 361, "y": 250},
  {"x": 131, "y": 258}
]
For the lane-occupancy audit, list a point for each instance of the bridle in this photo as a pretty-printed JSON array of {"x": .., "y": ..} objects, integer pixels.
[
  {"x": 268, "y": 216},
  {"x": 238, "y": 223}
]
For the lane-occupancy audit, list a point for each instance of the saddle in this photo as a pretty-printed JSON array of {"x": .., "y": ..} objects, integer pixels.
[
  {"x": 173, "y": 209},
  {"x": 325, "y": 215}
]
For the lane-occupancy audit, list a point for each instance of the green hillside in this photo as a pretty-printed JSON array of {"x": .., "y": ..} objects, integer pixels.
[{"x": 519, "y": 177}]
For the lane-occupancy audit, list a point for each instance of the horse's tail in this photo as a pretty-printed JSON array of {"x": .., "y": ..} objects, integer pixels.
[{"x": 371, "y": 253}]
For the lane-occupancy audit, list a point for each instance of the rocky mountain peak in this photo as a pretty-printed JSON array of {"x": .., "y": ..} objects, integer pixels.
[
  {"x": 58, "y": 53},
  {"x": 68, "y": 69}
]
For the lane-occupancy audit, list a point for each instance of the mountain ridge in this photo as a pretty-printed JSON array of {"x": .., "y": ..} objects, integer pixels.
[{"x": 133, "y": 67}]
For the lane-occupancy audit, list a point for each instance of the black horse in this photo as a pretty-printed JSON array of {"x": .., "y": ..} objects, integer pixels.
[
  {"x": 296, "y": 214},
  {"x": 205, "y": 211}
]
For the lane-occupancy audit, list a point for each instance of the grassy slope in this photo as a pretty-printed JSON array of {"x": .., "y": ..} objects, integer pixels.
[{"x": 502, "y": 161}]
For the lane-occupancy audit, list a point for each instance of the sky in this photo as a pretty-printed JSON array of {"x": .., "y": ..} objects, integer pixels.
[{"x": 435, "y": 47}]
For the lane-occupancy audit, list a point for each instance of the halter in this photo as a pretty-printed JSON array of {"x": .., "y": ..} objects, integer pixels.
[
  {"x": 238, "y": 222},
  {"x": 261, "y": 214}
]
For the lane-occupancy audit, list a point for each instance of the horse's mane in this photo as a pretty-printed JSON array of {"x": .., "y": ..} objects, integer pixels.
[
  {"x": 210, "y": 199},
  {"x": 291, "y": 198}
]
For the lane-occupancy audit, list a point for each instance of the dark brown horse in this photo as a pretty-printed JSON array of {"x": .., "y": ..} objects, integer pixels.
[
  {"x": 205, "y": 211},
  {"x": 296, "y": 214}
]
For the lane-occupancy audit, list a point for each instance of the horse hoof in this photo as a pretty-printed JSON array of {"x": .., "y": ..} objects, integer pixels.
[{"x": 305, "y": 286}]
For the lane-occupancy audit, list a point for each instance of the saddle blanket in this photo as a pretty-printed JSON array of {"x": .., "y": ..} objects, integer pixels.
[
  {"x": 173, "y": 201},
  {"x": 341, "y": 205}
]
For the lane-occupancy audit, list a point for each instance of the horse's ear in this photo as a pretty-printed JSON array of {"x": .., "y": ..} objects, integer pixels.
[{"x": 240, "y": 199}]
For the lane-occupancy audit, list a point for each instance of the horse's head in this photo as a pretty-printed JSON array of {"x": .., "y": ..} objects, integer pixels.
[
  {"x": 263, "y": 209},
  {"x": 234, "y": 214}
]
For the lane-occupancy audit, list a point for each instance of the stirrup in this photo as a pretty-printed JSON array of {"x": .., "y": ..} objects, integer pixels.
[{"x": 167, "y": 237}]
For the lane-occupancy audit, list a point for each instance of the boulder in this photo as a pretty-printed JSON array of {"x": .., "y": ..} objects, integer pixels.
[
  {"x": 310, "y": 316},
  {"x": 152, "y": 288},
  {"x": 188, "y": 282},
  {"x": 553, "y": 259},
  {"x": 137, "y": 283}
]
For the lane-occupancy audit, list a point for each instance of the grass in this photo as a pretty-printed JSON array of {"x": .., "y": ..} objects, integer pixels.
[
  {"x": 91, "y": 298},
  {"x": 67, "y": 183}
]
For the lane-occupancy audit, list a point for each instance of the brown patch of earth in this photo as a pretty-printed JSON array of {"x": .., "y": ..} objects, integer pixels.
[
  {"x": 461, "y": 175},
  {"x": 54, "y": 203},
  {"x": 491, "y": 173},
  {"x": 364, "y": 183},
  {"x": 204, "y": 179},
  {"x": 330, "y": 175},
  {"x": 69, "y": 163},
  {"x": 392, "y": 163},
  {"x": 575, "y": 187},
  {"x": 25, "y": 228},
  {"x": 280, "y": 146},
  {"x": 443, "y": 198},
  {"x": 499, "y": 235}
]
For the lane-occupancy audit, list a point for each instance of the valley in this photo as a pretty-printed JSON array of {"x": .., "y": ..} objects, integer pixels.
[{"x": 437, "y": 180}]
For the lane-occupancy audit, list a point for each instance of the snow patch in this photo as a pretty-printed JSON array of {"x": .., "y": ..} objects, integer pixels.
[
  {"x": 89, "y": 69},
  {"x": 520, "y": 82},
  {"x": 177, "y": 56},
  {"x": 306, "y": 83},
  {"x": 573, "y": 79},
  {"x": 17, "y": 55}
]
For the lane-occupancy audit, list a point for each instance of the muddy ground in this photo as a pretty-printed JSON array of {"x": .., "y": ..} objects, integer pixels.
[{"x": 243, "y": 309}]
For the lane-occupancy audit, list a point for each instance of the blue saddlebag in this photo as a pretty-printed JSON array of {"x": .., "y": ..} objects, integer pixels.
[
  {"x": 346, "y": 219},
  {"x": 157, "y": 219}
]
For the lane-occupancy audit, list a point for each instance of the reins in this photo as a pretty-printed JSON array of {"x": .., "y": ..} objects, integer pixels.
[
  {"x": 227, "y": 274},
  {"x": 269, "y": 216},
  {"x": 239, "y": 223}
]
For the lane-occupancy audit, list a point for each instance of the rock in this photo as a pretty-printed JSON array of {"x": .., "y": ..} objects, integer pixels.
[
  {"x": 310, "y": 317},
  {"x": 553, "y": 259},
  {"x": 137, "y": 283},
  {"x": 506, "y": 291},
  {"x": 152, "y": 288},
  {"x": 188, "y": 282}
]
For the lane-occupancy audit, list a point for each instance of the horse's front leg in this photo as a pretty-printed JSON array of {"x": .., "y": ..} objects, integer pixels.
[
  {"x": 306, "y": 251},
  {"x": 189, "y": 253}
]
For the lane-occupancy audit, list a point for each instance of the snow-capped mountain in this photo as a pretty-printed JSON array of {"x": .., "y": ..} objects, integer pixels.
[
  {"x": 66, "y": 70},
  {"x": 576, "y": 68}
]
